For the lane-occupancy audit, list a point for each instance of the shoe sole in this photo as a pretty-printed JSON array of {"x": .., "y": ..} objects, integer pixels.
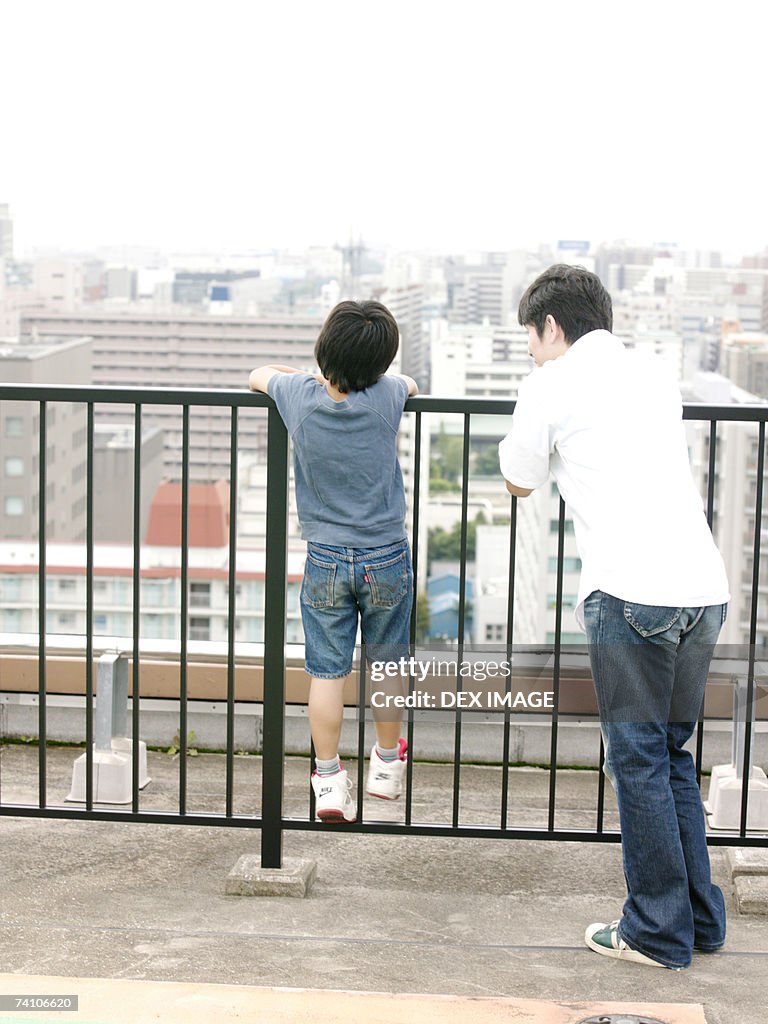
[
  {"x": 382, "y": 796},
  {"x": 330, "y": 816},
  {"x": 632, "y": 956}
]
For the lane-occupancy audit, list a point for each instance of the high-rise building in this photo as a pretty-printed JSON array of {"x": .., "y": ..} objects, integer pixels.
[
  {"x": 620, "y": 263},
  {"x": 193, "y": 287},
  {"x": 484, "y": 361},
  {"x": 744, "y": 360},
  {"x": 735, "y": 488},
  {"x": 734, "y": 293},
  {"x": 6, "y": 233},
  {"x": 406, "y": 304},
  {"x": 58, "y": 284},
  {"x": 65, "y": 360},
  {"x": 113, "y": 468},
  {"x": 487, "y": 287},
  {"x": 478, "y": 360},
  {"x": 187, "y": 351}
]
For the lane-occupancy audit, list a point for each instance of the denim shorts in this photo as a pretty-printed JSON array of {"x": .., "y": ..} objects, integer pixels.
[{"x": 343, "y": 584}]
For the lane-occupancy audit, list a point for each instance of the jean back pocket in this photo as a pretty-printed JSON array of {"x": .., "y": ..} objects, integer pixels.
[
  {"x": 317, "y": 586},
  {"x": 650, "y": 619},
  {"x": 388, "y": 580}
]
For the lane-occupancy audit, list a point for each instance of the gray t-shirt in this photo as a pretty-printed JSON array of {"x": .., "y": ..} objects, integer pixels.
[{"x": 349, "y": 486}]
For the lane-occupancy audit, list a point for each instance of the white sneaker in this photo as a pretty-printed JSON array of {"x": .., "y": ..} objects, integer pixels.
[
  {"x": 387, "y": 778},
  {"x": 332, "y": 797}
]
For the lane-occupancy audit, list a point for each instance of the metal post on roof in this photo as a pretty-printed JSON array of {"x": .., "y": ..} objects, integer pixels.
[{"x": 112, "y": 755}]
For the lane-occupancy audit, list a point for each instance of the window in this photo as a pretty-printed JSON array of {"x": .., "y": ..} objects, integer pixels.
[
  {"x": 12, "y": 620},
  {"x": 14, "y": 506},
  {"x": 14, "y": 466},
  {"x": 554, "y": 525},
  {"x": 199, "y": 628},
  {"x": 10, "y": 588},
  {"x": 569, "y": 601},
  {"x": 292, "y": 597},
  {"x": 153, "y": 593},
  {"x": 495, "y": 631},
  {"x": 152, "y": 626},
  {"x": 567, "y": 638},
  {"x": 14, "y": 426},
  {"x": 569, "y": 565},
  {"x": 200, "y": 596},
  {"x": 67, "y": 586},
  {"x": 294, "y": 634}
]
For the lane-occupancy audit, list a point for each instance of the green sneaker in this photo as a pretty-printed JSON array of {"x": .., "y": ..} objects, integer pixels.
[{"x": 605, "y": 939}]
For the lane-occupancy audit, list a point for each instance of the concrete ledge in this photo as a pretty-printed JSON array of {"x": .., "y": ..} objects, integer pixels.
[
  {"x": 482, "y": 735},
  {"x": 752, "y": 894},
  {"x": 126, "y": 1002},
  {"x": 249, "y": 878},
  {"x": 747, "y": 861}
]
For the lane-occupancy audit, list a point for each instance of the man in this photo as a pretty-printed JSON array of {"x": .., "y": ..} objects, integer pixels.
[{"x": 606, "y": 422}]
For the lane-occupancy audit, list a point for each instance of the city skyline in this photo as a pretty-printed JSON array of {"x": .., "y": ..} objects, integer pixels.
[{"x": 412, "y": 126}]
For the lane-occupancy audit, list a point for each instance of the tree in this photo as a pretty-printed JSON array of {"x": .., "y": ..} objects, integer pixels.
[
  {"x": 446, "y": 544},
  {"x": 423, "y": 618},
  {"x": 447, "y": 457},
  {"x": 486, "y": 461}
]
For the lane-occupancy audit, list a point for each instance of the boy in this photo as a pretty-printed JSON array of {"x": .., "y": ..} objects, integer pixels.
[
  {"x": 343, "y": 423},
  {"x": 607, "y": 423}
]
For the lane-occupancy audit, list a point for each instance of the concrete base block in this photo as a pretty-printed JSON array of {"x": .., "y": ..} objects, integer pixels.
[
  {"x": 112, "y": 773},
  {"x": 249, "y": 878},
  {"x": 749, "y": 861},
  {"x": 724, "y": 803},
  {"x": 752, "y": 894}
]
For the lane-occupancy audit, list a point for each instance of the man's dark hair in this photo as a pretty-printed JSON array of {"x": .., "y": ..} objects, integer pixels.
[
  {"x": 574, "y": 296},
  {"x": 357, "y": 344}
]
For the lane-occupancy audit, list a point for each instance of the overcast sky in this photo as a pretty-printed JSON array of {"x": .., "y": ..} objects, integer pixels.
[{"x": 424, "y": 123}]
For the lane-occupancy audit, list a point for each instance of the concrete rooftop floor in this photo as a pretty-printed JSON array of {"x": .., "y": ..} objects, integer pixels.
[{"x": 134, "y": 919}]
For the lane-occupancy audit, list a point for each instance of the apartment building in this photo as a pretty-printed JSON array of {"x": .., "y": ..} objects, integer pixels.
[
  {"x": 188, "y": 351},
  {"x": 744, "y": 360},
  {"x": 735, "y": 488},
  {"x": 55, "y": 360},
  {"x": 159, "y": 599},
  {"x": 490, "y": 361},
  {"x": 160, "y": 561}
]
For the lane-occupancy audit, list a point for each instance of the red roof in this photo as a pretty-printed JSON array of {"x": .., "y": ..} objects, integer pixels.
[{"x": 208, "y": 515}]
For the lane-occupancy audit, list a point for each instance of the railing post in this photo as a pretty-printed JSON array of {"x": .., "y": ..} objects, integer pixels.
[{"x": 275, "y": 585}]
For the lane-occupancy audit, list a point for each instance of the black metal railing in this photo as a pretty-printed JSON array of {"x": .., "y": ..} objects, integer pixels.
[{"x": 273, "y": 821}]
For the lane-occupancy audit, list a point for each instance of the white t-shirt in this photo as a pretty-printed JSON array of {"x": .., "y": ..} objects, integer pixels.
[{"x": 607, "y": 423}]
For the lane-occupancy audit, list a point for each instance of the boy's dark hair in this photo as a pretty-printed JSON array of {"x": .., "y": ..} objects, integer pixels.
[
  {"x": 574, "y": 296},
  {"x": 357, "y": 344}
]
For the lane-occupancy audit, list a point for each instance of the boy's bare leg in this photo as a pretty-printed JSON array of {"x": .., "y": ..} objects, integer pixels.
[
  {"x": 388, "y": 720},
  {"x": 387, "y": 731},
  {"x": 326, "y": 713}
]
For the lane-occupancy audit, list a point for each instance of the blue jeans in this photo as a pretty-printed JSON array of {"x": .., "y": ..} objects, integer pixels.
[
  {"x": 650, "y": 666},
  {"x": 342, "y": 583}
]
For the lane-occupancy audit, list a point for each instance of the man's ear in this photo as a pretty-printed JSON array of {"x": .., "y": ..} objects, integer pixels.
[{"x": 556, "y": 331}]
